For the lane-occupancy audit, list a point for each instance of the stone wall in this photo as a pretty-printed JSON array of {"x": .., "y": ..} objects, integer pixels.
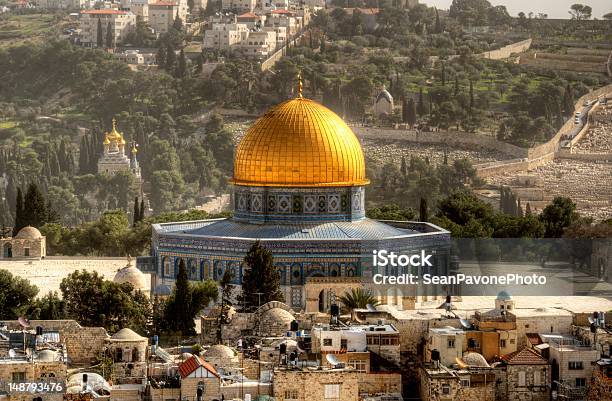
[
  {"x": 372, "y": 383},
  {"x": 507, "y": 51},
  {"x": 211, "y": 387},
  {"x": 33, "y": 373},
  {"x": 304, "y": 385},
  {"x": 84, "y": 344},
  {"x": 529, "y": 392}
]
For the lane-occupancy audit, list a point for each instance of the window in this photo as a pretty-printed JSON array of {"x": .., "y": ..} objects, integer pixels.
[
  {"x": 332, "y": 391},
  {"x": 327, "y": 342},
  {"x": 580, "y": 382},
  {"x": 446, "y": 389},
  {"x": 575, "y": 365},
  {"x": 358, "y": 365},
  {"x": 343, "y": 343},
  {"x": 465, "y": 382},
  {"x": 18, "y": 377},
  {"x": 521, "y": 379},
  {"x": 502, "y": 343},
  {"x": 26, "y": 251},
  {"x": 451, "y": 343},
  {"x": 537, "y": 378},
  {"x": 291, "y": 394}
]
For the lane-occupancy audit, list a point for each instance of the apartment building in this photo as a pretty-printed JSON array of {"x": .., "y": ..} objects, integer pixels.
[
  {"x": 121, "y": 23},
  {"x": 223, "y": 36}
]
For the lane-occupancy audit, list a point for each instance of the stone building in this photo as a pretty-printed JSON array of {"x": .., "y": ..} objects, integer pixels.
[
  {"x": 468, "y": 383},
  {"x": 199, "y": 379},
  {"x": 448, "y": 341},
  {"x": 299, "y": 188},
  {"x": 162, "y": 15},
  {"x": 29, "y": 243},
  {"x": 121, "y": 23},
  {"x": 524, "y": 376},
  {"x": 47, "y": 367},
  {"x": 114, "y": 158},
  {"x": 129, "y": 352},
  {"x": 221, "y": 356},
  {"x": 316, "y": 385}
]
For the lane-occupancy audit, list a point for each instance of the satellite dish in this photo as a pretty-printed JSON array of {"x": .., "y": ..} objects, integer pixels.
[
  {"x": 331, "y": 358},
  {"x": 300, "y": 349},
  {"x": 371, "y": 308},
  {"x": 25, "y": 323},
  {"x": 465, "y": 323},
  {"x": 12, "y": 353}
]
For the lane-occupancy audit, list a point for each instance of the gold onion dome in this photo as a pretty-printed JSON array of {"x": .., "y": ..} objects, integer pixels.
[
  {"x": 299, "y": 143},
  {"x": 114, "y": 135}
]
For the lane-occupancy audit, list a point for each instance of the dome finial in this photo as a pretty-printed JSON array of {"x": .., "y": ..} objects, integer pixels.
[
  {"x": 299, "y": 85},
  {"x": 114, "y": 124}
]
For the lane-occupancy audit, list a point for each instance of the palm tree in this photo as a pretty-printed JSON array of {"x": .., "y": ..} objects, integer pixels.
[{"x": 358, "y": 298}]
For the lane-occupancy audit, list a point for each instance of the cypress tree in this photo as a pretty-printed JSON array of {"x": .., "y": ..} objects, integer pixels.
[
  {"x": 445, "y": 157},
  {"x": 423, "y": 210},
  {"x": 109, "y": 36},
  {"x": 136, "y": 214},
  {"x": 177, "y": 316},
  {"x": 99, "y": 39},
  {"x": 181, "y": 68},
  {"x": 160, "y": 57},
  {"x": 443, "y": 74},
  {"x": 142, "y": 210},
  {"x": 261, "y": 281},
  {"x": 18, "y": 225},
  {"x": 170, "y": 58},
  {"x": 404, "y": 167},
  {"x": 411, "y": 116},
  {"x": 528, "y": 209},
  {"x": 471, "y": 95},
  {"x": 438, "y": 26},
  {"x": 35, "y": 211},
  {"x": 83, "y": 156},
  {"x": 421, "y": 104}
]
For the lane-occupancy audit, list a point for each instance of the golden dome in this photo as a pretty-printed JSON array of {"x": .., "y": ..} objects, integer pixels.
[
  {"x": 299, "y": 143},
  {"x": 114, "y": 135}
]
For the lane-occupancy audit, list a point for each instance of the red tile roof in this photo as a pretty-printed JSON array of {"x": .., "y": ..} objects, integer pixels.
[
  {"x": 192, "y": 364},
  {"x": 282, "y": 12},
  {"x": 526, "y": 356},
  {"x": 163, "y": 3},
  {"x": 534, "y": 338},
  {"x": 105, "y": 11},
  {"x": 248, "y": 15}
]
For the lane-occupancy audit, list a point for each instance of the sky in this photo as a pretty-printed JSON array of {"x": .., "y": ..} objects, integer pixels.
[{"x": 554, "y": 8}]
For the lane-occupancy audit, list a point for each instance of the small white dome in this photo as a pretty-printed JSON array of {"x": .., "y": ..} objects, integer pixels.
[
  {"x": 28, "y": 232},
  {"x": 219, "y": 351},
  {"x": 133, "y": 275}
]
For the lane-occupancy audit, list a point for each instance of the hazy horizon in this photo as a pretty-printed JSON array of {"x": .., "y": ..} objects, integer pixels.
[{"x": 554, "y": 8}]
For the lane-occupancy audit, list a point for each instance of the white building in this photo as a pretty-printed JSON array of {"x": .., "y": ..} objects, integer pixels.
[
  {"x": 163, "y": 13},
  {"x": 138, "y": 7},
  {"x": 238, "y": 6},
  {"x": 136, "y": 57},
  {"x": 223, "y": 36},
  {"x": 121, "y": 23},
  {"x": 448, "y": 341},
  {"x": 61, "y": 4},
  {"x": 281, "y": 35},
  {"x": 259, "y": 44}
]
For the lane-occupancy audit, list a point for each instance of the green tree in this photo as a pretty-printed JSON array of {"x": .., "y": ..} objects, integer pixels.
[
  {"x": 423, "y": 210},
  {"x": 186, "y": 301},
  {"x": 580, "y": 12},
  {"x": 181, "y": 67},
  {"x": 49, "y": 307},
  {"x": 109, "y": 36},
  {"x": 35, "y": 211},
  {"x": 99, "y": 37},
  {"x": 261, "y": 280},
  {"x": 357, "y": 298},
  {"x": 19, "y": 218},
  {"x": 421, "y": 110},
  {"x": 136, "y": 212},
  {"x": 227, "y": 289},
  {"x": 16, "y": 295},
  {"x": 558, "y": 215},
  {"x": 409, "y": 115}
]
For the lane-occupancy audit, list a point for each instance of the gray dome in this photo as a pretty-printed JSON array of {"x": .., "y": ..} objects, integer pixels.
[
  {"x": 133, "y": 275},
  {"x": 47, "y": 355},
  {"x": 504, "y": 296},
  {"x": 127, "y": 334},
  {"x": 275, "y": 322},
  {"x": 219, "y": 351},
  {"x": 474, "y": 359}
]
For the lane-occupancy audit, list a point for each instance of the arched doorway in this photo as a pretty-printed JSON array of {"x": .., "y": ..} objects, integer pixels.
[{"x": 8, "y": 250}]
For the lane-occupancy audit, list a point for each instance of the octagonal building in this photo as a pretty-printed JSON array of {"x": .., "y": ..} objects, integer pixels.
[{"x": 299, "y": 187}]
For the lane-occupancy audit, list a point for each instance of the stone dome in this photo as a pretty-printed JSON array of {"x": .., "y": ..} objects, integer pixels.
[
  {"x": 28, "y": 232},
  {"x": 133, "y": 275},
  {"x": 47, "y": 355},
  {"x": 299, "y": 143},
  {"x": 474, "y": 359},
  {"x": 275, "y": 322},
  {"x": 219, "y": 352},
  {"x": 384, "y": 94},
  {"x": 127, "y": 334}
]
